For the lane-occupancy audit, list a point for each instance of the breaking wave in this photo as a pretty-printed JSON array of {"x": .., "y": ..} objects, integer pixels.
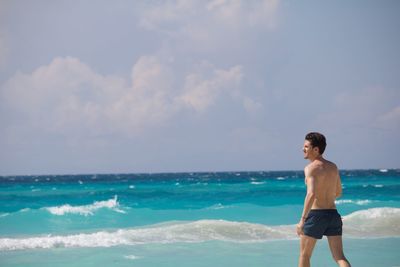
[
  {"x": 86, "y": 209},
  {"x": 192, "y": 232},
  {"x": 370, "y": 223},
  {"x": 359, "y": 202},
  {"x": 375, "y": 222}
]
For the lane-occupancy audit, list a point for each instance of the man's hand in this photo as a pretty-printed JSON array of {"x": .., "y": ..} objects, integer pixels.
[{"x": 299, "y": 227}]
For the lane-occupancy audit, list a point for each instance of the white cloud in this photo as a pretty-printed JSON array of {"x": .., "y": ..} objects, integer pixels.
[
  {"x": 67, "y": 97},
  {"x": 198, "y": 28},
  {"x": 148, "y": 101},
  {"x": 229, "y": 12},
  {"x": 162, "y": 15},
  {"x": 201, "y": 92},
  {"x": 209, "y": 25}
]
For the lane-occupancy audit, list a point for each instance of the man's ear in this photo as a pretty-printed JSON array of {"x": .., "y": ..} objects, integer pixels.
[{"x": 316, "y": 149}]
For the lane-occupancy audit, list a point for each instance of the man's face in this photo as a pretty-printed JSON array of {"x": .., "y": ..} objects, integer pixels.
[{"x": 307, "y": 149}]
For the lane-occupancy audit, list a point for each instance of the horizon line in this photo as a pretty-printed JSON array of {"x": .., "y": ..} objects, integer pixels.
[{"x": 183, "y": 172}]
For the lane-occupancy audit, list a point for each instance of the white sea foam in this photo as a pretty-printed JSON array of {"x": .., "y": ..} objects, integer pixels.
[
  {"x": 370, "y": 223},
  {"x": 132, "y": 257},
  {"x": 359, "y": 202},
  {"x": 257, "y": 183},
  {"x": 375, "y": 222},
  {"x": 86, "y": 209},
  {"x": 190, "y": 232},
  {"x": 217, "y": 207}
]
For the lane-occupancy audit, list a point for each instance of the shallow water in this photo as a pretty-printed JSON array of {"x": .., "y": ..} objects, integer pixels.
[{"x": 361, "y": 252}]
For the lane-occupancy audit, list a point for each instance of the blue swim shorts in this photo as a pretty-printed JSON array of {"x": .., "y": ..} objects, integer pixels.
[{"x": 323, "y": 222}]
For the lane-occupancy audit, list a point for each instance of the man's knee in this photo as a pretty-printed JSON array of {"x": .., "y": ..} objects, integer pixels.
[{"x": 305, "y": 254}]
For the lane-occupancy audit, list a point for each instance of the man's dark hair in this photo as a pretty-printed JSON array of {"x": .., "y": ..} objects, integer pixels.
[{"x": 317, "y": 140}]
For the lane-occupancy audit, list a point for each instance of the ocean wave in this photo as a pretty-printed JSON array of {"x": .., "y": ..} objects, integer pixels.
[
  {"x": 371, "y": 223},
  {"x": 359, "y": 202},
  {"x": 86, "y": 209},
  {"x": 257, "y": 183},
  {"x": 375, "y": 222},
  {"x": 189, "y": 232}
]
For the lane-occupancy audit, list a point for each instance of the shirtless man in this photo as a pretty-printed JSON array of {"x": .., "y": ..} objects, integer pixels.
[{"x": 320, "y": 216}]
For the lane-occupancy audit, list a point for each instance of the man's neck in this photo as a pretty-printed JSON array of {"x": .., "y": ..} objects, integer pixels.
[{"x": 319, "y": 157}]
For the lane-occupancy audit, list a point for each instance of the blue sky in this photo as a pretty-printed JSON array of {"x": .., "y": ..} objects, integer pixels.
[{"x": 164, "y": 86}]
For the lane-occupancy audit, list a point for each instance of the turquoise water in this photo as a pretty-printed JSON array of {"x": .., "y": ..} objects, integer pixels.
[{"x": 188, "y": 219}]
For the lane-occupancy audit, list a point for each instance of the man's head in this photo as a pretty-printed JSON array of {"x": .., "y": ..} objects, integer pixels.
[{"x": 314, "y": 145}]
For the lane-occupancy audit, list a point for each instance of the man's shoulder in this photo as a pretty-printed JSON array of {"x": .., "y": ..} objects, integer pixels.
[
  {"x": 311, "y": 168},
  {"x": 331, "y": 164},
  {"x": 319, "y": 166}
]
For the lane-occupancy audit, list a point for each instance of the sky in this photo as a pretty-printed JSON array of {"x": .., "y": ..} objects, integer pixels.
[{"x": 208, "y": 85}]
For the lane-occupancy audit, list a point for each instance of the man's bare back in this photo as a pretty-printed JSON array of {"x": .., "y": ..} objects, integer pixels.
[{"x": 326, "y": 182}]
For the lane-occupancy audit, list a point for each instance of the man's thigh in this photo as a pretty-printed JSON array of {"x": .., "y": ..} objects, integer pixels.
[
  {"x": 307, "y": 244},
  {"x": 336, "y": 246}
]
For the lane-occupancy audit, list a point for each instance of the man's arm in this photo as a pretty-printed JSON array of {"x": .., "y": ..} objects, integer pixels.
[
  {"x": 309, "y": 199},
  {"x": 338, "y": 186}
]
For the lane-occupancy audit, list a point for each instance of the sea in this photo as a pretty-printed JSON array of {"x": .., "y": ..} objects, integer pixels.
[{"x": 189, "y": 219}]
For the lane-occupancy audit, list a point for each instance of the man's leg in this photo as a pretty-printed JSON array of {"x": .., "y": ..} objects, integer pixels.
[
  {"x": 336, "y": 246},
  {"x": 307, "y": 245}
]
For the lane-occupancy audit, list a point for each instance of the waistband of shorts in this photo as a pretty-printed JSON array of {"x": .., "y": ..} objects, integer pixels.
[{"x": 324, "y": 210}]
